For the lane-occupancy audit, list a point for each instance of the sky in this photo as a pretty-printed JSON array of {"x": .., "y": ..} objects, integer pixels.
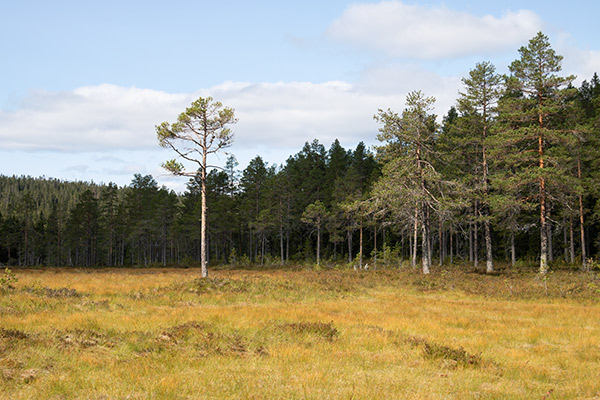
[{"x": 85, "y": 83}]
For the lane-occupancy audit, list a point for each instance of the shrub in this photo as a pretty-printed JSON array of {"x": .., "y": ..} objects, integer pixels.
[{"x": 7, "y": 280}]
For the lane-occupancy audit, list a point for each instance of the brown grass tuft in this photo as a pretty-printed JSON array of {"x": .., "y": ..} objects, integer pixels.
[{"x": 324, "y": 330}]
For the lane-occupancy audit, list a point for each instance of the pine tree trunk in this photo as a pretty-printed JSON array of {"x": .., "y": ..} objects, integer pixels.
[
  {"x": 572, "y": 240},
  {"x": 441, "y": 244},
  {"x": 549, "y": 233},
  {"x": 581, "y": 224},
  {"x": 287, "y": 245},
  {"x": 425, "y": 261},
  {"x": 203, "y": 264},
  {"x": 319, "y": 245},
  {"x": 476, "y": 236},
  {"x": 26, "y": 244},
  {"x": 287, "y": 232},
  {"x": 59, "y": 246},
  {"x": 565, "y": 242},
  {"x": 262, "y": 249},
  {"x": 360, "y": 259},
  {"x": 281, "y": 230},
  {"x": 281, "y": 243},
  {"x": 430, "y": 244},
  {"x": 457, "y": 240},
  {"x": 414, "y": 241},
  {"x": 543, "y": 232},
  {"x": 513, "y": 254},
  {"x": 542, "y": 183},
  {"x": 471, "y": 241},
  {"x": 410, "y": 248},
  {"x": 489, "y": 263},
  {"x": 164, "y": 255},
  {"x": 350, "y": 246},
  {"x": 334, "y": 251},
  {"x": 451, "y": 250},
  {"x": 375, "y": 246}
]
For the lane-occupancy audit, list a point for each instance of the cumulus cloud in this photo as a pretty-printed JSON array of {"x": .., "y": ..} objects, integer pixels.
[
  {"x": 106, "y": 132},
  {"x": 589, "y": 63},
  {"x": 422, "y": 32},
  {"x": 108, "y": 117},
  {"x": 88, "y": 119},
  {"x": 392, "y": 79},
  {"x": 111, "y": 122},
  {"x": 288, "y": 114},
  {"x": 581, "y": 62}
]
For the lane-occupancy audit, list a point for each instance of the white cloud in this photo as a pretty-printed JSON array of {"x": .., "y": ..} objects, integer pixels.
[
  {"x": 421, "y": 32},
  {"x": 288, "y": 114},
  {"x": 392, "y": 79},
  {"x": 582, "y": 63},
  {"x": 589, "y": 63},
  {"x": 88, "y": 119},
  {"x": 108, "y": 117},
  {"x": 106, "y": 133}
]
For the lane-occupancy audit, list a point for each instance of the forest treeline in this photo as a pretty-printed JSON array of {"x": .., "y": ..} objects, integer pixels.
[
  {"x": 255, "y": 215},
  {"x": 510, "y": 173}
]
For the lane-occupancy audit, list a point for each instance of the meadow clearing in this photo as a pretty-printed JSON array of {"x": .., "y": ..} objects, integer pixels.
[{"x": 299, "y": 334}]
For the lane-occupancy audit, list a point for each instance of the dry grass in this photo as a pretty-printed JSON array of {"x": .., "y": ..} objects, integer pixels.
[{"x": 285, "y": 334}]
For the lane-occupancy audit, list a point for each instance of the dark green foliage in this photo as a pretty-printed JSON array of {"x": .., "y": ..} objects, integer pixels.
[{"x": 255, "y": 215}]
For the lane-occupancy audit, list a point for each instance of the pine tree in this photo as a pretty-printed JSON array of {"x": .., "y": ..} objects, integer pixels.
[
  {"x": 315, "y": 215},
  {"x": 84, "y": 228},
  {"x": 408, "y": 171},
  {"x": 532, "y": 144},
  {"x": 199, "y": 131},
  {"x": 477, "y": 103},
  {"x": 253, "y": 183}
]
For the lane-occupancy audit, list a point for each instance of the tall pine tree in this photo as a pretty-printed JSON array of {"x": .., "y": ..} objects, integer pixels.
[{"x": 531, "y": 145}]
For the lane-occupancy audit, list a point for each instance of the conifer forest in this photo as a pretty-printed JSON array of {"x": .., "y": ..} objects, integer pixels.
[{"x": 509, "y": 174}]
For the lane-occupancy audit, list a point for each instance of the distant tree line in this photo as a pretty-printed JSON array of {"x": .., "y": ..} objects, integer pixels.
[
  {"x": 511, "y": 173},
  {"x": 255, "y": 214}
]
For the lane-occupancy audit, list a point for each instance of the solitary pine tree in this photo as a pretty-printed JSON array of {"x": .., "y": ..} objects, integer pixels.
[{"x": 199, "y": 131}]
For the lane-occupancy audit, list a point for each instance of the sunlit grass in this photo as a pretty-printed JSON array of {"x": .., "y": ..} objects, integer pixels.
[{"x": 285, "y": 334}]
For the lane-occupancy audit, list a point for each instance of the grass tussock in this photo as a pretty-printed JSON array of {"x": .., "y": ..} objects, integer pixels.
[
  {"x": 324, "y": 330},
  {"x": 12, "y": 334},
  {"x": 456, "y": 334},
  {"x": 207, "y": 341},
  {"x": 456, "y": 356},
  {"x": 83, "y": 338},
  {"x": 60, "y": 293}
]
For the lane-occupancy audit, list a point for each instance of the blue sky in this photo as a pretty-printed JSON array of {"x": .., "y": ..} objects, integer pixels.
[{"x": 84, "y": 83}]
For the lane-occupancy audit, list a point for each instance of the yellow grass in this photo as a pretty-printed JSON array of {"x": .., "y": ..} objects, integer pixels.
[{"x": 283, "y": 334}]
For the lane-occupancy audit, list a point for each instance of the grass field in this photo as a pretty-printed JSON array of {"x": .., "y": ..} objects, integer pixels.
[{"x": 299, "y": 334}]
